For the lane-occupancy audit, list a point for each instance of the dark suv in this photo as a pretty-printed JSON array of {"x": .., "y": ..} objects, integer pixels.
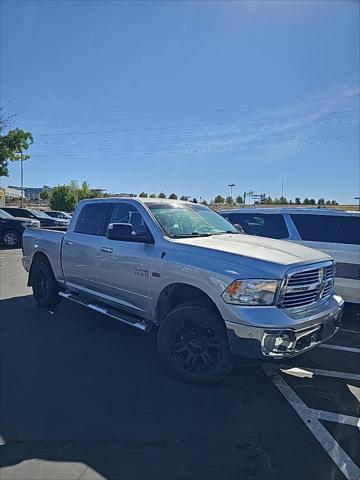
[
  {"x": 12, "y": 228},
  {"x": 45, "y": 220}
]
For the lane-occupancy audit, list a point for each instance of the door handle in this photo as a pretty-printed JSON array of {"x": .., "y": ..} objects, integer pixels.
[
  {"x": 107, "y": 249},
  {"x": 68, "y": 242}
]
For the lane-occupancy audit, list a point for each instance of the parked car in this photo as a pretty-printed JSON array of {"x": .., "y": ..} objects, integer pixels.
[
  {"x": 332, "y": 231},
  {"x": 180, "y": 266},
  {"x": 11, "y": 229},
  {"x": 45, "y": 220},
  {"x": 58, "y": 214}
]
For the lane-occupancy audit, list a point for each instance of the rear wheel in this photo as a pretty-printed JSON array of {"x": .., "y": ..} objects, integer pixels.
[
  {"x": 45, "y": 287},
  {"x": 11, "y": 238},
  {"x": 193, "y": 342}
]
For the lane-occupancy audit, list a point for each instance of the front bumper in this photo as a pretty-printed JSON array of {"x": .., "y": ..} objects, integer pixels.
[{"x": 301, "y": 331}]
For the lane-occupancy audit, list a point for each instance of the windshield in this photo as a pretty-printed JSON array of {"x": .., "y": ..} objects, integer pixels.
[
  {"x": 4, "y": 215},
  {"x": 39, "y": 213},
  {"x": 178, "y": 220}
]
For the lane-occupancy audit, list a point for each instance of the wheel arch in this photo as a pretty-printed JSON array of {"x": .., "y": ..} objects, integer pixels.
[{"x": 175, "y": 294}]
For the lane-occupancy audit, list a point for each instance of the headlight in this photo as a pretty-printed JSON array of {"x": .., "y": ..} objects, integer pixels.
[{"x": 251, "y": 292}]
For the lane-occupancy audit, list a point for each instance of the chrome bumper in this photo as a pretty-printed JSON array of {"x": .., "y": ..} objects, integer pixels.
[{"x": 301, "y": 334}]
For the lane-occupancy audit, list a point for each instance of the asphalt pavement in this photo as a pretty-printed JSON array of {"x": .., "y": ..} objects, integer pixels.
[{"x": 85, "y": 397}]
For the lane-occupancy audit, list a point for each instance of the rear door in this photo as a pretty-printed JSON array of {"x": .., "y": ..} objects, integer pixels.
[
  {"x": 80, "y": 253},
  {"x": 124, "y": 268},
  {"x": 339, "y": 236}
]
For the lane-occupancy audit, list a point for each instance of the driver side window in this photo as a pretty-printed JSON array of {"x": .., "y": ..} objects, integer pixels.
[{"x": 127, "y": 213}]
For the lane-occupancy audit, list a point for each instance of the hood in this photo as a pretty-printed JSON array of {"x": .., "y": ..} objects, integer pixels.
[
  {"x": 24, "y": 219},
  {"x": 258, "y": 248}
]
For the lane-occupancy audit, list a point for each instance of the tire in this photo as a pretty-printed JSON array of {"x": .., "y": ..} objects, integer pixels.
[
  {"x": 193, "y": 342},
  {"x": 11, "y": 238},
  {"x": 45, "y": 287}
]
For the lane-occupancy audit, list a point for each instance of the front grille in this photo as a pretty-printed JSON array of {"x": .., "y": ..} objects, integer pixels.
[{"x": 307, "y": 286}]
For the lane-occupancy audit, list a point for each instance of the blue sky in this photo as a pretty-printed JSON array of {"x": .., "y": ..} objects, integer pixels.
[{"x": 188, "y": 95}]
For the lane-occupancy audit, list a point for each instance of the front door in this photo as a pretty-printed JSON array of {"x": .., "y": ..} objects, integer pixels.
[{"x": 124, "y": 268}]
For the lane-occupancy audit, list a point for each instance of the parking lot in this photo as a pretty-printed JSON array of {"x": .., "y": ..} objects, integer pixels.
[{"x": 83, "y": 396}]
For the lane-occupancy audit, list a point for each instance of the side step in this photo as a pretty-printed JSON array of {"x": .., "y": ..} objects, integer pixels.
[{"x": 140, "y": 324}]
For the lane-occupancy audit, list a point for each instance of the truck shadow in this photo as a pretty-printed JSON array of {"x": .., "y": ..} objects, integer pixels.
[{"x": 78, "y": 387}]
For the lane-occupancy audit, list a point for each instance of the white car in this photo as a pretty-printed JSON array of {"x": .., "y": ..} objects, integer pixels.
[{"x": 332, "y": 231}]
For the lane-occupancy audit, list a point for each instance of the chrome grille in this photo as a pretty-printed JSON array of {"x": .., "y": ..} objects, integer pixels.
[{"x": 304, "y": 287}]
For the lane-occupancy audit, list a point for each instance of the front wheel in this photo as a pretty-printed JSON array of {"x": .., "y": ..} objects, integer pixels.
[
  {"x": 44, "y": 285},
  {"x": 193, "y": 342}
]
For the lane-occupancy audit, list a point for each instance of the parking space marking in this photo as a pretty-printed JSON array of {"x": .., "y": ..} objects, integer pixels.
[
  {"x": 311, "y": 419},
  {"x": 309, "y": 371},
  {"x": 348, "y": 330},
  {"x": 339, "y": 347},
  {"x": 337, "y": 417}
]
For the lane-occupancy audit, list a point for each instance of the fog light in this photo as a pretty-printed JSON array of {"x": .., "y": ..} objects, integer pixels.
[{"x": 278, "y": 342}]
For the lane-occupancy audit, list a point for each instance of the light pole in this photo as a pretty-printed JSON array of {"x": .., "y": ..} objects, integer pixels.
[
  {"x": 22, "y": 178},
  {"x": 231, "y": 185},
  {"x": 358, "y": 199}
]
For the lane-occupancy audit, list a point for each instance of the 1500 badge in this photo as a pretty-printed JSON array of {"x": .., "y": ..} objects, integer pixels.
[{"x": 140, "y": 272}]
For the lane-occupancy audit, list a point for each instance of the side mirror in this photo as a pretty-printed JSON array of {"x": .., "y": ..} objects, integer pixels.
[
  {"x": 124, "y": 232},
  {"x": 239, "y": 227}
]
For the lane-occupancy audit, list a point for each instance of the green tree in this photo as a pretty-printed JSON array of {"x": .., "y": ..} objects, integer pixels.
[
  {"x": 184, "y": 198},
  {"x": 229, "y": 200},
  {"x": 334, "y": 202},
  {"x": 297, "y": 201},
  {"x": 13, "y": 144},
  {"x": 219, "y": 199},
  {"x": 239, "y": 199},
  {"x": 162, "y": 195},
  {"x": 328, "y": 202},
  {"x": 321, "y": 201},
  {"x": 143, "y": 195},
  {"x": 45, "y": 195},
  {"x": 204, "y": 202},
  {"x": 152, "y": 195},
  {"x": 306, "y": 201},
  {"x": 63, "y": 197},
  {"x": 268, "y": 201},
  {"x": 283, "y": 201},
  {"x": 173, "y": 196},
  {"x": 312, "y": 201},
  {"x": 84, "y": 191}
]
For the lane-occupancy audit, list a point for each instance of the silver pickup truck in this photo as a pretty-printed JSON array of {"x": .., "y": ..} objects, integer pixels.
[{"x": 211, "y": 290}]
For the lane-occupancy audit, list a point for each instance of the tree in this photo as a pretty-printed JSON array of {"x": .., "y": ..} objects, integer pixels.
[
  {"x": 219, "y": 199},
  {"x": 63, "y": 198},
  {"x": 334, "y": 202},
  {"x": 12, "y": 146},
  {"x": 268, "y": 201},
  {"x": 162, "y": 195},
  {"x": 321, "y": 201},
  {"x": 143, "y": 195},
  {"x": 173, "y": 196},
  {"x": 84, "y": 191},
  {"x": 229, "y": 200},
  {"x": 312, "y": 201},
  {"x": 306, "y": 201},
  {"x": 194, "y": 200},
  {"x": 45, "y": 195},
  {"x": 297, "y": 201},
  {"x": 239, "y": 199},
  {"x": 283, "y": 201},
  {"x": 184, "y": 198},
  {"x": 152, "y": 195},
  {"x": 328, "y": 202},
  {"x": 204, "y": 202}
]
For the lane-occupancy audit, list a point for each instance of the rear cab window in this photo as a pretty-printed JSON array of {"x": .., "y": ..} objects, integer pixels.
[
  {"x": 328, "y": 228},
  {"x": 264, "y": 225}
]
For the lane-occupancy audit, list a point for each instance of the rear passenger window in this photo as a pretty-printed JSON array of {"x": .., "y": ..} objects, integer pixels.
[
  {"x": 328, "y": 228},
  {"x": 264, "y": 225},
  {"x": 92, "y": 219}
]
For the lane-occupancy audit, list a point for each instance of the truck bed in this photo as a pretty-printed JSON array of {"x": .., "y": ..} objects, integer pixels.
[{"x": 48, "y": 241}]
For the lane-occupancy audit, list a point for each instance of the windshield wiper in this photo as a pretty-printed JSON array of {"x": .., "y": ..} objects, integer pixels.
[
  {"x": 228, "y": 231},
  {"x": 191, "y": 235}
]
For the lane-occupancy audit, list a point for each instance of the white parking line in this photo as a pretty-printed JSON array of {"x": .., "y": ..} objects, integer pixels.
[
  {"x": 337, "y": 417},
  {"x": 312, "y": 421},
  {"x": 339, "y": 347},
  {"x": 348, "y": 330},
  {"x": 309, "y": 371}
]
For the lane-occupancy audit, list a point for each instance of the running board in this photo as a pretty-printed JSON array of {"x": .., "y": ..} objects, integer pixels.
[{"x": 142, "y": 325}]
